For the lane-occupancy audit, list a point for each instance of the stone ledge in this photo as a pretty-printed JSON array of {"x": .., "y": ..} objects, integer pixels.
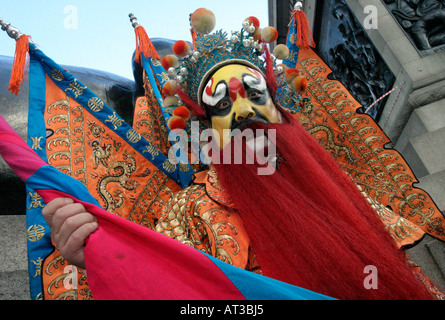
[
  {"x": 433, "y": 115},
  {"x": 427, "y": 95},
  {"x": 423, "y": 120},
  {"x": 425, "y": 153},
  {"x": 426, "y": 70}
]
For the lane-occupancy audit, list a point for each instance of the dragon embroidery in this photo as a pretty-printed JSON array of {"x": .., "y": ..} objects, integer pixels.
[{"x": 119, "y": 172}]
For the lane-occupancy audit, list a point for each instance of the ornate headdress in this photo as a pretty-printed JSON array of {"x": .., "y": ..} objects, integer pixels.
[
  {"x": 212, "y": 52},
  {"x": 192, "y": 65}
]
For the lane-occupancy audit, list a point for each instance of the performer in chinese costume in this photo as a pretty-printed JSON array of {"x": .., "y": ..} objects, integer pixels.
[{"x": 293, "y": 209}]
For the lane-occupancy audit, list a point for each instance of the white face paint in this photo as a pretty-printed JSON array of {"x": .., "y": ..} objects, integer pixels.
[
  {"x": 220, "y": 92},
  {"x": 258, "y": 83}
]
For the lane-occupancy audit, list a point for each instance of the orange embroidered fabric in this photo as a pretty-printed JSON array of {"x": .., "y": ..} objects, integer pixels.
[
  {"x": 122, "y": 180},
  {"x": 358, "y": 145},
  {"x": 196, "y": 217}
]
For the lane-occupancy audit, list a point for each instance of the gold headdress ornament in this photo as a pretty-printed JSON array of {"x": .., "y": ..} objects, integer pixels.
[{"x": 192, "y": 65}]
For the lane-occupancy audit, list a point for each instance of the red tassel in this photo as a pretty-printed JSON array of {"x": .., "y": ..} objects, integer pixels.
[
  {"x": 304, "y": 38},
  {"x": 144, "y": 45},
  {"x": 20, "y": 64},
  {"x": 193, "y": 32}
]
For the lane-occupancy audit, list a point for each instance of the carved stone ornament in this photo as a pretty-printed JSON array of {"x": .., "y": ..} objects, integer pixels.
[
  {"x": 344, "y": 46},
  {"x": 422, "y": 20}
]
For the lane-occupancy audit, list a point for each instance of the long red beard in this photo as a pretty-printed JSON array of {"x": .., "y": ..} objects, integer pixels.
[{"x": 310, "y": 226}]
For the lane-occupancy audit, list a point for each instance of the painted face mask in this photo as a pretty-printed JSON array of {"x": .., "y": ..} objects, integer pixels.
[{"x": 236, "y": 96}]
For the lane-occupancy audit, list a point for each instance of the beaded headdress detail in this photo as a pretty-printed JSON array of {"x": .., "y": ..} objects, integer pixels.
[{"x": 192, "y": 65}]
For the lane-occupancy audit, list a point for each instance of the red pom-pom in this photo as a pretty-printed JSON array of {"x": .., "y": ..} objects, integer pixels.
[
  {"x": 183, "y": 112},
  {"x": 254, "y": 21},
  {"x": 181, "y": 48},
  {"x": 176, "y": 122}
]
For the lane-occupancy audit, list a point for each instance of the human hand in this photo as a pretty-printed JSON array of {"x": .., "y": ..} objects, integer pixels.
[{"x": 70, "y": 226}]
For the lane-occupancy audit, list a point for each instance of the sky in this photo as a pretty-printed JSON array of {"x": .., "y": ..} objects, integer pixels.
[{"x": 98, "y": 34}]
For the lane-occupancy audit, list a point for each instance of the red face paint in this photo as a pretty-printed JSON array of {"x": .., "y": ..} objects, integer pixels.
[
  {"x": 209, "y": 88},
  {"x": 235, "y": 87},
  {"x": 256, "y": 73}
]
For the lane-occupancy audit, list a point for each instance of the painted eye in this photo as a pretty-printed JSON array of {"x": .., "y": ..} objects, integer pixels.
[
  {"x": 254, "y": 95},
  {"x": 224, "y": 104}
]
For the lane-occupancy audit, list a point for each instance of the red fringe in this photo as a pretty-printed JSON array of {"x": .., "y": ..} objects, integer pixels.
[
  {"x": 144, "y": 45},
  {"x": 304, "y": 38},
  {"x": 20, "y": 64},
  {"x": 310, "y": 226},
  {"x": 193, "y": 33}
]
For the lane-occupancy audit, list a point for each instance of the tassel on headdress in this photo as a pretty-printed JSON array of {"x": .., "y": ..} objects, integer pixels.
[
  {"x": 303, "y": 38},
  {"x": 144, "y": 46}
]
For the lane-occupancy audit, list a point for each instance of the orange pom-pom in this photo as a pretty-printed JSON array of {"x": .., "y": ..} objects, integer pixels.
[
  {"x": 299, "y": 84},
  {"x": 181, "y": 48},
  {"x": 176, "y": 122},
  {"x": 170, "y": 88},
  {"x": 290, "y": 74},
  {"x": 203, "y": 21},
  {"x": 170, "y": 61},
  {"x": 183, "y": 112},
  {"x": 269, "y": 34}
]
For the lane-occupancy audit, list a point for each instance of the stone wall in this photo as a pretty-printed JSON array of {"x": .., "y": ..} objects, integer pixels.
[{"x": 414, "y": 118}]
